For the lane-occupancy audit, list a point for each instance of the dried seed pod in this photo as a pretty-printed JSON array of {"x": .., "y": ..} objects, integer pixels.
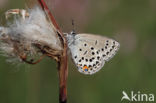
[{"x": 30, "y": 36}]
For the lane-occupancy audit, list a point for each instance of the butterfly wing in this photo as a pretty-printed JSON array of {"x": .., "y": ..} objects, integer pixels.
[{"x": 90, "y": 52}]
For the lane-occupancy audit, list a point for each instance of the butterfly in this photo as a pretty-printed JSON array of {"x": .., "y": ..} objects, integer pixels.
[{"x": 90, "y": 52}]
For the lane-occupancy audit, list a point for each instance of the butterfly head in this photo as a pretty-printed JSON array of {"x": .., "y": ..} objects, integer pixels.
[{"x": 73, "y": 32}]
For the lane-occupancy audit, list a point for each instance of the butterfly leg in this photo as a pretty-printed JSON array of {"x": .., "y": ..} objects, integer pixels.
[{"x": 21, "y": 12}]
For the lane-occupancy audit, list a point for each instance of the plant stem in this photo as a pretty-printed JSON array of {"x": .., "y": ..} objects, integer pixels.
[
  {"x": 63, "y": 73},
  {"x": 62, "y": 63}
]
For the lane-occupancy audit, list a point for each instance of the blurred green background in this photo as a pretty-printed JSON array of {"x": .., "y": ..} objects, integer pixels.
[{"x": 131, "y": 22}]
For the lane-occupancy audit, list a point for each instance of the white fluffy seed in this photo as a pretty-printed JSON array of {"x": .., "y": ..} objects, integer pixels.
[{"x": 23, "y": 33}]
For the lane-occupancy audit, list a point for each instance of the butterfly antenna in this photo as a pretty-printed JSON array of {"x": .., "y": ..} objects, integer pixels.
[{"x": 73, "y": 24}]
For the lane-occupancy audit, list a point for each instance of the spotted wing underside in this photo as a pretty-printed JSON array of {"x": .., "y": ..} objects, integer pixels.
[{"x": 90, "y": 52}]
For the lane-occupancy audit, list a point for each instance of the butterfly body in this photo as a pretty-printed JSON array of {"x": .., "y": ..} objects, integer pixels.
[{"x": 90, "y": 52}]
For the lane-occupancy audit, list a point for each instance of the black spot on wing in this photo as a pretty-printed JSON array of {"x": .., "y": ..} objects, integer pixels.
[
  {"x": 86, "y": 60},
  {"x": 95, "y": 42},
  {"x": 107, "y": 53},
  {"x": 93, "y": 53},
  {"x": 98, "y": 57},
  {"x": 110, "y": 50},
  {"x": 94, "y": 65},
  {"x": 85, "y": 52},
  {"x": 82, "y": 58},
  {"x": 90, "y": 60},
  {"x": 92, "y": 48},
  {"x": 75, "y": 57},
  {"x": 102, "y": 49},
  {"x": 85, "y": 44}
]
